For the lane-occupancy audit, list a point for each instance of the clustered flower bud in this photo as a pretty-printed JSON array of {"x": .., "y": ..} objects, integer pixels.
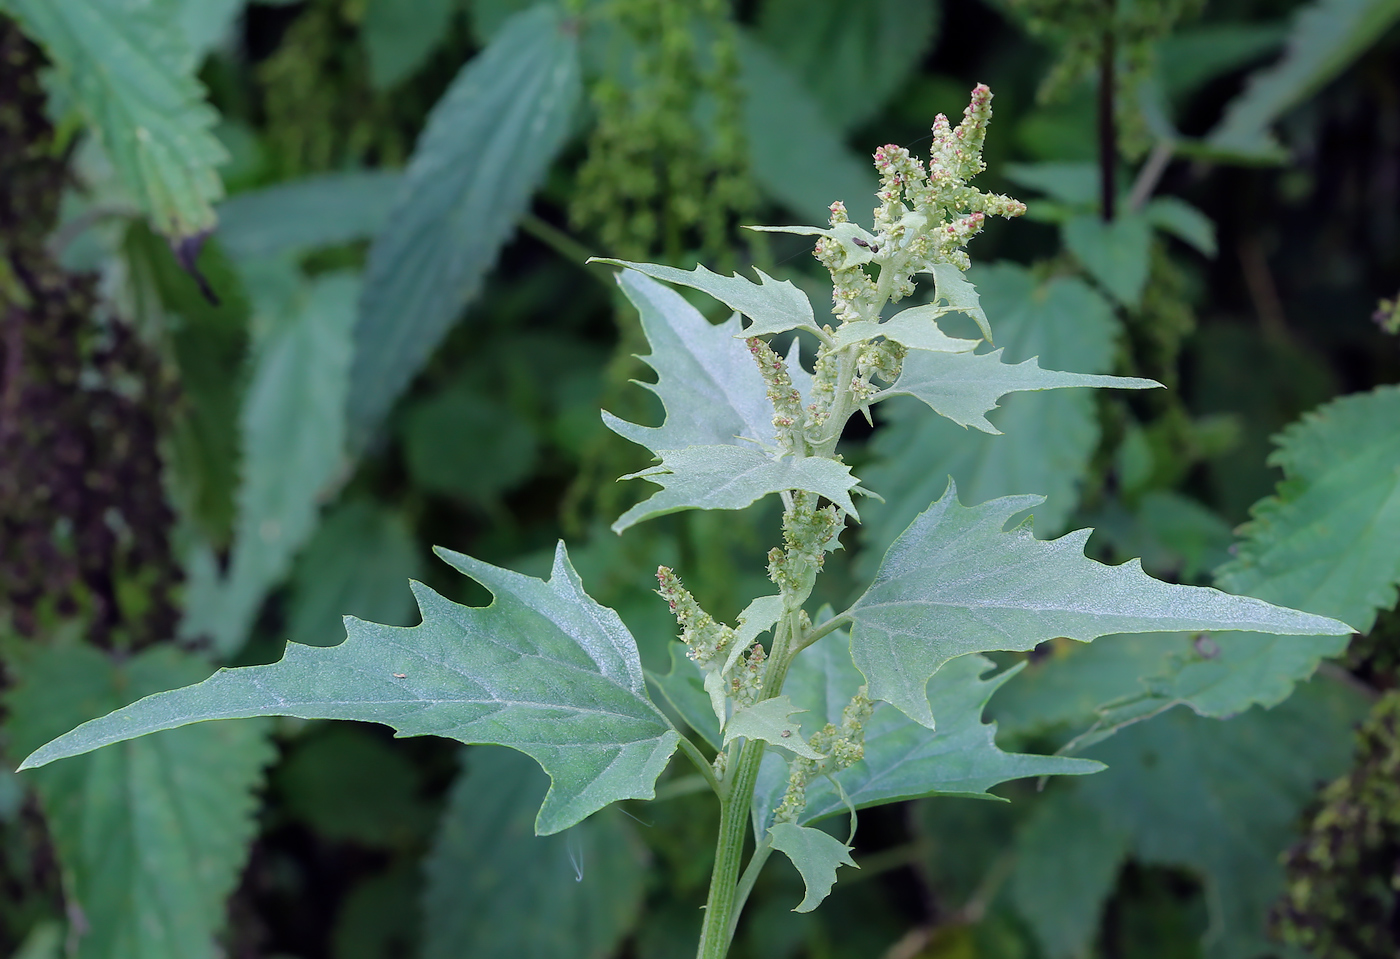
[
  {"x": 788, "y": 416},
  {"x": 707, "y": 640},
  {"x": 842, "y": 746},
  {"x": 808, "y": 533}
]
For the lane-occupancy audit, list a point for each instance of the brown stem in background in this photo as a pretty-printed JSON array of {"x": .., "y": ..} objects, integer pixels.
[{"x": 1108, "y": 134}]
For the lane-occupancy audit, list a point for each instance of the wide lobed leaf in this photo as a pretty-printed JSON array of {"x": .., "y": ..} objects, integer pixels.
[
  {"x": 903, "y": 760},
  {"x": 956, "y": 582},
  {"x": 965, "y": 386},
  {"x": 732, "y": 477},
  {"x": 816, "y": 856},
  {"x": 543, "y": 669}
]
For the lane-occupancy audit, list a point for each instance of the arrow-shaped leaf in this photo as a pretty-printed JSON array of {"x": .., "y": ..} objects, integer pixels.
[
  {"x": 705, "y": 378},
  {"x": 903, "y": 760},
  {"x": 955, "y": 582},
  {"x": 966, "y": 386},
  {"x": 544, "y": 669},
  {"x": 732, "y": 477},
  {"x": 816, "y": 855},
  {"x": 773, "y": 306}
]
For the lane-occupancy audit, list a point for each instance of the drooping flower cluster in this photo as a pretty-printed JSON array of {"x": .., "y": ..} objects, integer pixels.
[
  {"x": 840, "y": 746},
  {"x": 706, "y": 639}
]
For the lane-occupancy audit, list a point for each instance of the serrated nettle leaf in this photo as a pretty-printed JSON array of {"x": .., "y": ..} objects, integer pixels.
[
  {"x": 903, "y": 760},
  {"x": 705, "y": 378},
  {"x": 965, "y": 386},
  {"x": 398, "y": 36},
  {"x": 493, "y": 889},
  {"x": 771, "y": 721},
  {"x": 129, "y": 70},
  {"x": 487, "y": 146},
  {"x": 293, "y": 448},
  {"x": 543, "y": 669},
  {"x": 954, "y": 289},
  {"x": 1115, "y": 254},
  {"x": 771, "y": 306},
  {"x": 152, "y": 835},
  {"x": 1326, "y": 38},
  {"x": 816, "y": 856},
  {"x": 733, "y": 477},
  {"x": 1075, "y": 184},
  {"x": 956, "y": 582},
  {"x": 1329, "y": 539}
]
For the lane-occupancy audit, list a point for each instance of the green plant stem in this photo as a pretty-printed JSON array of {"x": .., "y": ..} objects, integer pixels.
[
  {"x": 747, "y": 880},
  {"x": 723, "y": 905},
  {"x": 707, "y": 771},
  {"x": 830, "y": 626}
]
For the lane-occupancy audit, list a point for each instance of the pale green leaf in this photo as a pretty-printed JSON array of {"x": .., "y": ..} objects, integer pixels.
[
  {"x": 357, "y": 564},
  {"x": 1329, "y": 539},
  {"x": 208, "y": 23},
  {"x": 152, "y": 836},
  {"x": 496, "y": 891},
  {"x": 705, "y": 378},
  {"x": 1183, "y": 221},
  {"x": 771, "y": 306},
  {"x": 1115, "y": 254},
  {"x": 770, "y": 721},
  {"x": 797, "y": 157},
  {"x": 128, "y": 69},
  {"x": 486, "y": 148},
  {"x": 543, "y": 669},
  {"x": 732, "y": 477},
  {"x": 1223, "y": 799},
  {"x": 955, "y": 582},
  {"x": 684, "y": 689},
  {"x": 1193, "y": 56},
  {"x": 816, "y": 856},
  {"x": 954, "y": 289},
  {"x": 1049, "y": 438},
  {"x": 1067, "y": 862},
  {"x": 917, "y": 328},
  {"x": 965, "y": 386},
  {"x": 1327, "y": 36},
  {"x": 851, "y": 56},
  {"x": 399, "y": 36},
  {"x": 903, "y": 760},
  {"x": 293, "y": 436},
  {"x": 289, "y": 219}
]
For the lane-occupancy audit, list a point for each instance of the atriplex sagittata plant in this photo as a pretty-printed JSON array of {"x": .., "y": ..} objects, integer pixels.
[{"x": 546, "y": 670}]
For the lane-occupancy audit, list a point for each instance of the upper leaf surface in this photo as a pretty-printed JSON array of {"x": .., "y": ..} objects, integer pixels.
[
  {"x": 1116, "y": 254},
  {"x": 771, "y": 721},
  {"x": 816, "y": 856},
  {"x": 1049, "y": 439},
  {"x": 903, "y": 760},
  {"x": 152, "y": 836},
  {"x": 1329, "y": 539},
  {"x": 771, "y": 306},
  {"x": 485, "y": 150},
  {"x": 706, "y": 379},
  {"x": 493, "y": 889},
  {"x": 956, "y": 583},
  {"x": 965, "y": 386},
  {"x": 732, "y": 477},
  {"x": 955, "y": 289},
  {"x": 543, "y": 669},
  {"x": 130, "y": 71},
  {"x": 322, "y": 210}
]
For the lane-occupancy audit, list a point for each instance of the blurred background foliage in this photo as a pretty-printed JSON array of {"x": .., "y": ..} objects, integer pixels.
[{"x": 293, "y": 291}]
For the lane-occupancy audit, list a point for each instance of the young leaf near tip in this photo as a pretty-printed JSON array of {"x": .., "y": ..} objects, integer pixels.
[
  {"x": 965, "y": 386},
  {"x": 544, "y": 669},
  {"x": 732, "y": 477},
  {"x": 903, "y": 760},
  {"x": 770, "y": 721},
  {"x": 955, "y": 582},
  {"x": 712, "y": 392},
  {"x": 816, "y": 856},
  {"x": 772, "y": 306}
]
